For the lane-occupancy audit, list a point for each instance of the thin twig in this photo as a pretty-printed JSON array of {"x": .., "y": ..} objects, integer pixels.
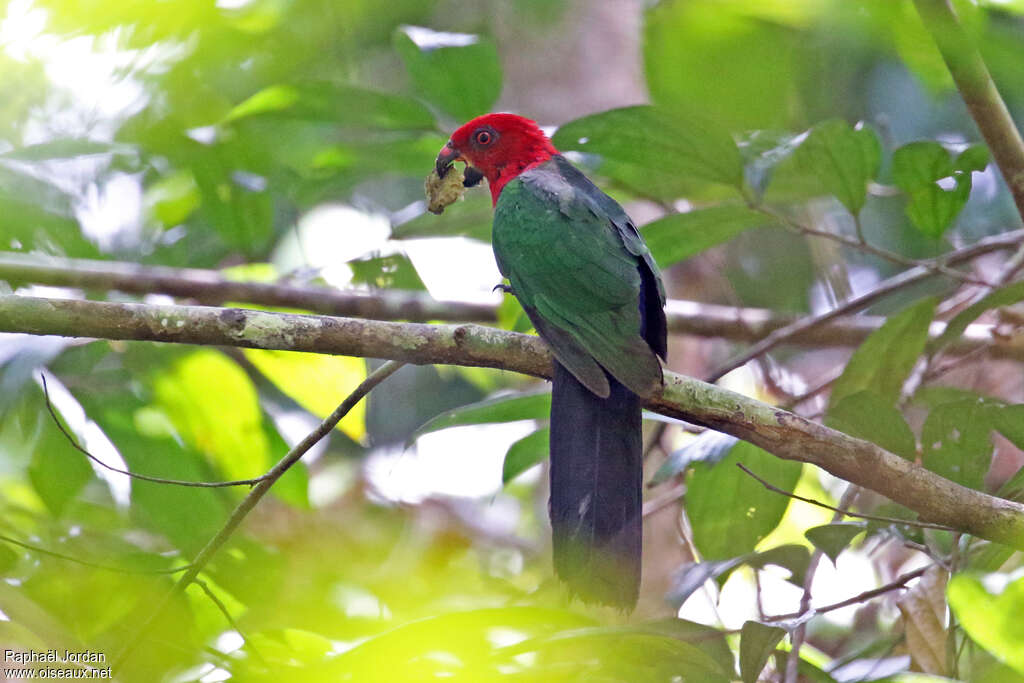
[
  {"x": 669, "y": 497},
  {"x": 813, "y": 391},
  {"x": 227, "y": 617},
  {"x": 135, "y": 475},
  {"x": 657, "y": 432},
  {"x": 935, "y": 266},
  {"x": 799, "y": 634},
  {"x": 885, "y": 288},
  {"x": 86, "y": 563},
  {"x": 859, "y": 515},
  {"x": 254, "y": 496},
  {"x": 899, "y": 582}
]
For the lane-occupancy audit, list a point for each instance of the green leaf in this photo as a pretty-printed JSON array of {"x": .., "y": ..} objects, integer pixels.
[
  {"x": 467, "y": 635},
  {"x": 757, "y": 643},
  {"x": 991, "y": 620},
  {"x": 394, "y": 271},
  {"x": 932, "y": 209},
  {"x": 1008, "y": 420},
  {"x": 956, "y": 439},
  {"x": 58, "y": 471},
  {"x": 729, "y": 510},
  {"x": 503, "y": 408},
  {"x": 460, "y": 73},
  {"x": 188, "y": 517},
  {"x": 884, "y": 361},
  {"x": 840, "y": 160},
  {"x": 293, "y": 486},
  {"x": 172, "y": 198},
  {"x": 688, "y": 580},
  {"x": 796, "y": 558},
  {"x": 1003, "y": 296},
  {"x": 242, "y": 213},
  {"x": 833, "y": 538},
  {"x": 741, "y": 69},
  {"x": 656, "y": 143},
  {"x": 8, "y": 558},
  {"x": 335, "y": 103},
  {"x": 213, "y": 405},
  {"x": 974, "y": 158},
  {"x": 918, "y": 166},
  {"x": 524, "y": 454},
  {"x": 866, "y": 416},
  {"x": 679, "y": 236},
  {"x": 470, "y": 218},
  {"x": 709, "y": 447},
  {"x": 316, "y": 382},
  {"x": 710, "y": 639},
  {"x": 618, "y": 654},
  {"x": 691, "y": 577}
]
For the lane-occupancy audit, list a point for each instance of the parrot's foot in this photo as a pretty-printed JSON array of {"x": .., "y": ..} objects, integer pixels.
[{"x": 504, "y": 288}]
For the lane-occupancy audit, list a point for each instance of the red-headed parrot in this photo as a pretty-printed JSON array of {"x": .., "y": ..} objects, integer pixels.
[{"x": 589, "y": 285}]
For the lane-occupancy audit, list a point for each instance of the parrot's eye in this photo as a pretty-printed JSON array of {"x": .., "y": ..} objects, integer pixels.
[{"x": 483, "y": 137}]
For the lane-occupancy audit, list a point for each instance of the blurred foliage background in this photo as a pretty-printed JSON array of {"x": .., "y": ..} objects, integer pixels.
[{"x": 287, "y": 140}]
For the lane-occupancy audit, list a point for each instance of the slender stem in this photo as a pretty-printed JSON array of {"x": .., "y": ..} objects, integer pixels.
[
  {"x": 979, "y": 92},
  {"x": 842, "y": 510},
  {"x": 935, "y": 266},
  {"x": 254, "y": 496},
  {"x": 799, "y": 634},
  {"x": 899, "y": 582},
  {"x": 223, "y": 609},
  {"x": 803, "y": 326},
  {"x": 86, "y": 563},
  {"x": 135, "y": 475},
  {"x": 666, "y": 499}
]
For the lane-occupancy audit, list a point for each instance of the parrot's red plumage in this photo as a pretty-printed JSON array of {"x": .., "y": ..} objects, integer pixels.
[{"x": 515, "y": 144}]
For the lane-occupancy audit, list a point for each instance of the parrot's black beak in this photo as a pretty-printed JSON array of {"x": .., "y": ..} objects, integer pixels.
[
  {"x": 445, "y": 158},
  {"x": 448, "y": 156}
]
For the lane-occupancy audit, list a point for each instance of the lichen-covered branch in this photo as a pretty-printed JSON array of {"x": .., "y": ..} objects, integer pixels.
[
  {"x": 786, "y": 435},
  {"x": 767, "y": 328}
]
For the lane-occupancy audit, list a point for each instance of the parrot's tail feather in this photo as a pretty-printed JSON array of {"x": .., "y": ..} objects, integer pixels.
[{"x": 596, "y": 490}]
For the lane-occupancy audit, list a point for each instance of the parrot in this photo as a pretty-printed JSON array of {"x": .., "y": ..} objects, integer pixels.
[{"x": 589, "y": 285}]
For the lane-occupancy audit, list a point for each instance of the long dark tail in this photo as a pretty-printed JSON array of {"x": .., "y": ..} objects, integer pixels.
[{"x": 596, "y": 489}]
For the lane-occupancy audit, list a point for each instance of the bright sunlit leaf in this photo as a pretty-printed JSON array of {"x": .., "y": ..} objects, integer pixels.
[
  {"x": 213, "y": 404},
  {"x": 317, "y": 382},
  {"x": 991, "y": 617}
]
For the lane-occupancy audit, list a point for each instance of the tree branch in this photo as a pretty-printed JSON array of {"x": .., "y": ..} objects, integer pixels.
[
  {"x": 212, "y": 287},
  {"x": 978, "y": 91},
  {"x": 782, "y": 433},
  {"x": 835, "y": 328}
]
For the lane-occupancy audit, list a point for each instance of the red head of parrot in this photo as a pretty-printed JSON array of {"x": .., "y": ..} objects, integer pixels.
[{"x": 497, "y": 147}]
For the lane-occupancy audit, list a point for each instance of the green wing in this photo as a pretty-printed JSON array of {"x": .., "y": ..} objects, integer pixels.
[{"x": 577, "y": 277}]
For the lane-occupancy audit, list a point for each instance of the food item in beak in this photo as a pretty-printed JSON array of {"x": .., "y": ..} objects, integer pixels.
[{"x": 442, "y": 192}]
